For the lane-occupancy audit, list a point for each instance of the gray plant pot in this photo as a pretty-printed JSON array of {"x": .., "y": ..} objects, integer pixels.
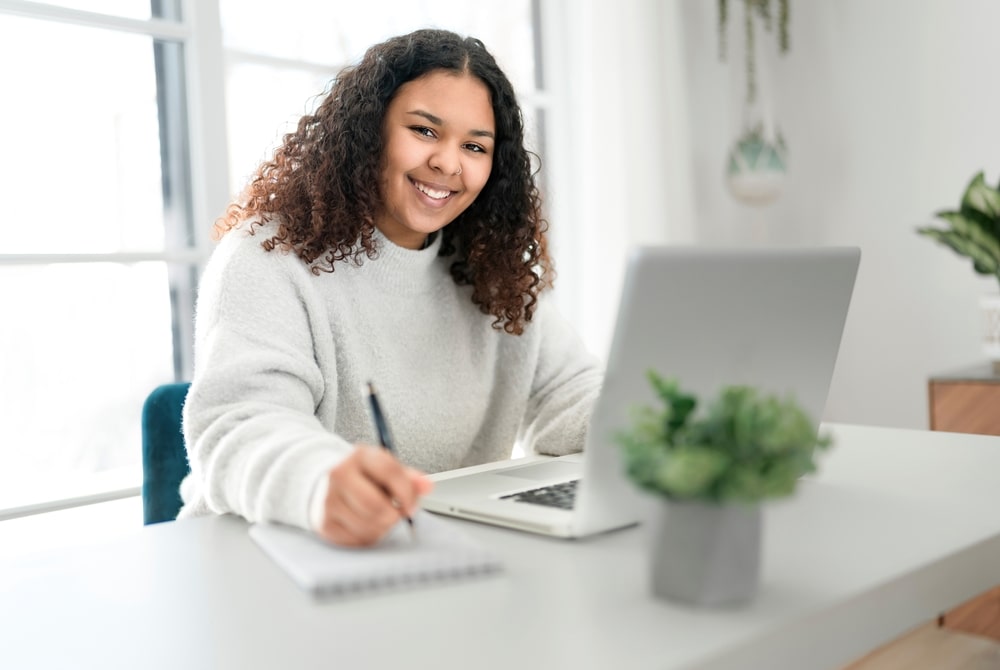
[{"x": 705, "y": 554}]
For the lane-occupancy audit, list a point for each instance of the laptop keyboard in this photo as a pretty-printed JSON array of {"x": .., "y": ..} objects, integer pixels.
[{"x": 561, "y": 495}]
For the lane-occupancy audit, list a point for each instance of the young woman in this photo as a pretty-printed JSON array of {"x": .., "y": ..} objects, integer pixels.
[{"x": 395, "y": 237}]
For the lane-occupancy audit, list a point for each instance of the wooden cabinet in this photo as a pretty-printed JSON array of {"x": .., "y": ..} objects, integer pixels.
[{"x": 968, "y": 401}]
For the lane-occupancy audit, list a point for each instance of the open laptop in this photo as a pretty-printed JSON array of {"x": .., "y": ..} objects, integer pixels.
[{"x": 708, "y": 317}]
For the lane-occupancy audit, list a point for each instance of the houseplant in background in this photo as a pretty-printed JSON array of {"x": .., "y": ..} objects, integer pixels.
[
  {"x": 757, "y": 159},
  {"x": 973, "y": 231},
  {"x": 713, "y": 471}
]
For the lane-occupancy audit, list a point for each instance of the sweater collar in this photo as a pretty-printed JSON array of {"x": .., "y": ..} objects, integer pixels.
[{"x": 401, "y": 269}]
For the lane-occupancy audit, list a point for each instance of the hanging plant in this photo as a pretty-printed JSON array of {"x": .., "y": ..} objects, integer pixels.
[
  {"x": 766, "y": 11},
  {"x": 756, "y": 164}
]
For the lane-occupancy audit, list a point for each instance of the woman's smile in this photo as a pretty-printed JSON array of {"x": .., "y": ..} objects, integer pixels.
[{"x": 438, "y": 195}]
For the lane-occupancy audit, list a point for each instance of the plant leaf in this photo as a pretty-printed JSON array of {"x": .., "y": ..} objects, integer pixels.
[
  {"x": 977, "y": 227},
  {"x": 982, "y": 261},
  {"x": 689, "y": 470},
  {"x": 980, "y": 197},
  {"x": 679, "y": 405}
]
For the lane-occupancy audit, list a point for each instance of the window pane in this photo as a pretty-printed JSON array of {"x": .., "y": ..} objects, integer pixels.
[
  {"x": 257, "y": 122},
  {"x": 130, "y": 9},
  {"x": 85, "y": 133},
  {"x": 89, "y": 341},
  {"x": 325, "y": 33}
]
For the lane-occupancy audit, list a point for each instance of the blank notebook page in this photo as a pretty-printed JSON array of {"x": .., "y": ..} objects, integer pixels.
[{"x": 439, "y": 552}]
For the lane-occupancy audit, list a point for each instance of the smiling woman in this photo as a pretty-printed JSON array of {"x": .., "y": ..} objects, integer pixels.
[
  {"x": 335, "y": 180},
  {"x": 395, "y": 236}
]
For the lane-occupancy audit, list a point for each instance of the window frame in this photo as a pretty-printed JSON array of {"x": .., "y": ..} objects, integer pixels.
[
  {"x": 194, "y": 167},
  {"x": 195, "y": 149}
]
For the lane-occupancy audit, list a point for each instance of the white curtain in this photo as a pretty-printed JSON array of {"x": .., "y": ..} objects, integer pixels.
[{"x": 618, "y": 157}]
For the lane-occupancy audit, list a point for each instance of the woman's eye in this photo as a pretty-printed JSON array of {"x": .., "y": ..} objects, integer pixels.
[
  {"x": 476, "y": 148},
  {"x": 422, "y": 130}
]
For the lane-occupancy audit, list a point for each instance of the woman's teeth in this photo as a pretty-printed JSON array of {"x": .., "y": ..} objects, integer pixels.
[{"x": 430, "y": 192}]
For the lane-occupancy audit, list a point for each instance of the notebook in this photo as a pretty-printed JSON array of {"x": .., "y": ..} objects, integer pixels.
[
  {"x": 709, "y": 317},
  {"x": 437, "y": 552}
]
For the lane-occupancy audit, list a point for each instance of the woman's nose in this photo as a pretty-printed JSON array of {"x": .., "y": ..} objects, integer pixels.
[{"x": 447, "y": 161}]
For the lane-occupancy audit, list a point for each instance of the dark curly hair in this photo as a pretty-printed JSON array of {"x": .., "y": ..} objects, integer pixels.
[{"x": 322, "y": 183}]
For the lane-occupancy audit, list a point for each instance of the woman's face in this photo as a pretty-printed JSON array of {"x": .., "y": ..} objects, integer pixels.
[{"x": 439, "y": 140}]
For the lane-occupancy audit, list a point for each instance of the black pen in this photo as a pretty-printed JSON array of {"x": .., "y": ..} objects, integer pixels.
[{"x": 383, "y": 430}]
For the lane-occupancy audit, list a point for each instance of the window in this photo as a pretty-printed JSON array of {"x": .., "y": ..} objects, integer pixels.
[
  {"x": 97, "y": 253},
  {"x": 279, "y": 65},
  {"x": 128, "y": 126}
]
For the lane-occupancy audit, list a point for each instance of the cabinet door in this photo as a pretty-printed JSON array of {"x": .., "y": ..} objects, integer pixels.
[
  {"x": 969, "y": 407},
  {"x": 965, "y": 407}
]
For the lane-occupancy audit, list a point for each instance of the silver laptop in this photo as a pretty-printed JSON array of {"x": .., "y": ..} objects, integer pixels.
[{"x": 709, "y": 317}]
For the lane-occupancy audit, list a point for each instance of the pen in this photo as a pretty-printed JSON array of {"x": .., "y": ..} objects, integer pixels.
[{"x": 383, "y": 430}]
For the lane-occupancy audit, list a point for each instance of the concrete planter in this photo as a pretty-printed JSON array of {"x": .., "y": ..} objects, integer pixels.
[{"x": 706, "y": 555}]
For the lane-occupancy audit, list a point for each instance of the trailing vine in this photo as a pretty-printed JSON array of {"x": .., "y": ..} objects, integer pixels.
[{"x": 764, "y": 9}]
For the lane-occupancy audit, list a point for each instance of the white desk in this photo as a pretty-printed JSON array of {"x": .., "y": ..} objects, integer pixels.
[{"x": 896, "y": 529}]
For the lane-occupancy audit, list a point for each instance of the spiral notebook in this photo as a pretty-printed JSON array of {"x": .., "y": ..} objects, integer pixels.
[{"x": 438, "y": 552}]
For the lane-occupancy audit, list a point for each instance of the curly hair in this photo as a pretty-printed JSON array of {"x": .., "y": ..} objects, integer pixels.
[{"x": 321, "y": 185}]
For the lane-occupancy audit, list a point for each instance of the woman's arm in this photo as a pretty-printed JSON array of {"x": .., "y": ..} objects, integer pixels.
[
  {"x": 255, "y": 444},
  {"x": 564, "y": 389}
]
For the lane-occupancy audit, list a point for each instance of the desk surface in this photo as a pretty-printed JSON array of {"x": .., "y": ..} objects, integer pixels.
[{"x": 893, "y": 531}]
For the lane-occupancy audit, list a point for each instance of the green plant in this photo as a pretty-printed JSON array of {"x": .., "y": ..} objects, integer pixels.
[
  {"x": 764, "y": 9},
  {"x": 974, "y": 229},
  {"x": 747, "y": 447}
]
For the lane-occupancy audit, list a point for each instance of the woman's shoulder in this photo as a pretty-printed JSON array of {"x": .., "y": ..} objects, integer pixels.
[
  {"x": 241, "y": 270},
  {"x": 242, "y": 277},
  {"x": 248, "y": 234},
  {"x": 244, "y": 247}
]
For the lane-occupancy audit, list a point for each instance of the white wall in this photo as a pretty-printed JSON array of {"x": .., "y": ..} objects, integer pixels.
[{"x": 888, "y": 107}]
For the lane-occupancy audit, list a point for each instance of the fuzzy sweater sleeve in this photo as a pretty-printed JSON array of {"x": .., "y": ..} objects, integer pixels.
[
  {"x": 255, "y": 444},
  {"x": 564, "y": 388}
]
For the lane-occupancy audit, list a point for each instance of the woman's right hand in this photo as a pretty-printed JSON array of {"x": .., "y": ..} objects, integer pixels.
[{"x": 368, "y": 493}]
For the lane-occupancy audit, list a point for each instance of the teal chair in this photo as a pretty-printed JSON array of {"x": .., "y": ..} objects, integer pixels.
[{"x": 164, "y": 458}]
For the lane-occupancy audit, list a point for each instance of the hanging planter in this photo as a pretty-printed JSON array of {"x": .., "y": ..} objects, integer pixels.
[{"x": 756, "y": 164}]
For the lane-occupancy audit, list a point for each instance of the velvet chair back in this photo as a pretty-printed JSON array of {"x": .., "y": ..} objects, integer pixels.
[{"x": 164, "y": 458}]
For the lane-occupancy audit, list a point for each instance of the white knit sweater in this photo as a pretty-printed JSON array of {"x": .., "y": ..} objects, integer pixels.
[{"x": 281, "y": 356}]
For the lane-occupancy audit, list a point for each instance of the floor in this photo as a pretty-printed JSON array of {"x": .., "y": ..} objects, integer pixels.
[{"x": 929, "y": 647}]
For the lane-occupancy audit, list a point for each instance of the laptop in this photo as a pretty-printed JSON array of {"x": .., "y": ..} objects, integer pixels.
[{"x": 709, "y": 317}]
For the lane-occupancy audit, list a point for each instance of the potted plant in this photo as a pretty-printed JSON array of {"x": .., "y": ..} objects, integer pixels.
[
  {"x": 973, "y": 231},
  {"x": 713, "y": 470}
]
